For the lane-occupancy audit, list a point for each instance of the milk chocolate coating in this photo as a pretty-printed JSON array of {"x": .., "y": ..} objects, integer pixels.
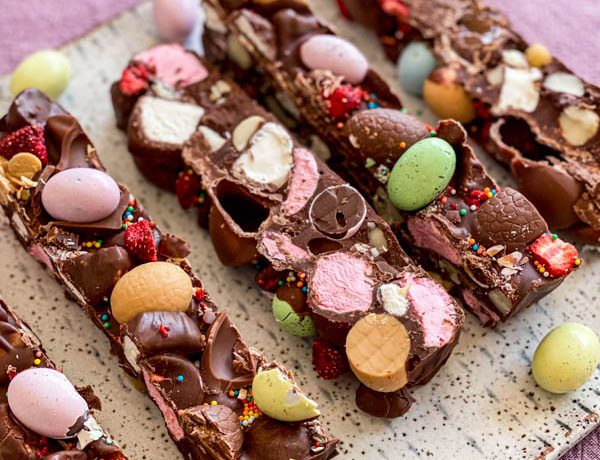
[
  {"x": 179, "y": 333},
  {"x": 66, "y": 137},
  {"x": 218, "y": 429},
  {"x": 30, "y": 107},
  {"x": 165, "y": 370},
  {"x": 294, "y": 296},
  {"x": 13, "y": 438},
  {"x": 508, "y": 219},
  {"x": 96, "y": 273},
  {"x": 173, "y": 247},
  {"x": 338, "y": 211},
  {"x": 66, "y": 455},
  {"x": 384, "y": 405},
  {"x": 379, "y": 132},
  {"x": 227, "y": 363}
]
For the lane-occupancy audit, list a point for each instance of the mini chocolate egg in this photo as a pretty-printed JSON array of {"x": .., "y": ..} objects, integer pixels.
[
  {"x": 414, "y": 66},
  {"x": 566, "y": 358},
  {"x": 421, "y": 174},
  {"x": 446, "y": 97},
  {"x": 47, "y": 70},
  {"x": 46, "y": 402},
  {"x": 81, "y": 195},
  {"x": 287, "y": 305},
  {"x": 175, "y": 19},
  {"x": 328, "y": 52},
  {"x": 278, "y": 397},
  {"x": 538, "y": 55}
]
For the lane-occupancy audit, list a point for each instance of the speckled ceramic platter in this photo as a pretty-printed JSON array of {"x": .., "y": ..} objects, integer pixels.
[{"x": 482, "y": 405}]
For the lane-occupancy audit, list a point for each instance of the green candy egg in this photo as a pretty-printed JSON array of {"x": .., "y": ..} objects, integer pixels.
[
  {"x": 47, "y": 70},
  {"x": 421, "y": 174},
  {"x": 566, "y": 358},
  {"x": 290, "y": 321}
]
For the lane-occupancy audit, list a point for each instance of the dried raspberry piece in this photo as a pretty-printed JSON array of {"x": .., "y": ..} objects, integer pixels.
[
  {"x": 134, "y": 79},
  {"x": 329, "y": 362},
  {"x": 28, "y": 139},
  {"x": 345, "y": 100},
  {"x": 344, "y": 9},
  {"x": 556, "y": 256},
  {"x": 187, "y": 188},
  {"x": 139, "y": 240}
]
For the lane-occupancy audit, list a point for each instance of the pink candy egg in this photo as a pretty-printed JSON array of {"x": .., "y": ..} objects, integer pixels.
[
  {"x": 45, "y": 402},
  {"x": 81, "y": 195},
  {"x": 328, "y": 52},
  {"x": 175, "y": 19}
]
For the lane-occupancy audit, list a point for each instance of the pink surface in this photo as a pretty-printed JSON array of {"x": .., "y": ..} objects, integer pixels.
[
  {"x": 303, "y": 183},
  {"x": 569, "y": 28},
  {"x": 30, "y": 25},
  {"x": 173, "y": 65}
]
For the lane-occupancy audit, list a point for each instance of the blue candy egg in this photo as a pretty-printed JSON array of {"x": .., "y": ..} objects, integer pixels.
[{"x": 414, "y": 65}]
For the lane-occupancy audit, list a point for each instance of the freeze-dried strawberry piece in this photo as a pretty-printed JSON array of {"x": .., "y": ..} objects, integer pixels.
[
  {"x": 187, "y": 188},
  {"x": 345, "y": 100},
  {"x": 29, "y": 139},
  {"x": 139, "y": 240},
  {"x": 134, "y": 79},
  {"x": 557, "y": 257},
  {"x": 329, "y": 362}
]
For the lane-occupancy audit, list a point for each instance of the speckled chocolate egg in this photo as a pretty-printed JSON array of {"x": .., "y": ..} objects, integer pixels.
[
  {"x": 446, "y": 97},
  {"x": 47, "y": 70},
  {"x": 566, "y": 358},
  {"x": 81, "y": 195},
  {"x": 46, "y": 402},
  {"x": 175, "y": 19},
  {"x": 414, "y": 65},
  {"x": 421, "y": 174}
]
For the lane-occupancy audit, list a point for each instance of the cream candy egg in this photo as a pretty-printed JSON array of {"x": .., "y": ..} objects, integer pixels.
[
  {"x": 46, "y": 402},
  {"x": 328, "y": 52},
  {"x": 175, "y": 19},
  {"x": 47, "y": 70},
  {"x": 81, "y": 195}
]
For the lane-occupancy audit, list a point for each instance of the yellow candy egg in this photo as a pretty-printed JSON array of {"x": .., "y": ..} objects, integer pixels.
[
  {"x": 446, "y": 97},
  {"x": 47, "y": 70},
  {"x": 538, "y": 55}
]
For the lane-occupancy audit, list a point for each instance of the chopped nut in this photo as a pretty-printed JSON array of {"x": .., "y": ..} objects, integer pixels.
[
  {"x": 515, "y": 58},
  {"x": 510, "y": 260},
  {"x": 237, "y": 53},
  {"x": 24, "y": 165},
  {"x": 245, "y": 130},
  {"x": 578, "y": 125},
  {"x": 563, "y": 82},
  {"x": 519, "y": 90},
  {"x": 494, "y": 250},
  {"x": 214, "y": 139},
  {"x": 219, "y": 91}
]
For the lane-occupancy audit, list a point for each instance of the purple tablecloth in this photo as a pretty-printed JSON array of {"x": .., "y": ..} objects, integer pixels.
[{"x": 28, "y": 25}]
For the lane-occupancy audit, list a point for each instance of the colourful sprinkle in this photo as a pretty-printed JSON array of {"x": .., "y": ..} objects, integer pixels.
[
  {"x": 37, "y": 361},
  {"x": 463, "y": 212},
  {"x": 180, "y": 378}
]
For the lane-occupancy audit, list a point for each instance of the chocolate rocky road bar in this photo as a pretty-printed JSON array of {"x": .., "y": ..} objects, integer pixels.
[
  {"x": 42, "y": 415},
  {"x": 136, "y": 285},
  {"x": 335, "y": 267},
  {"x": 491, "y": 245},
  {"x": 527, "y": 110}
]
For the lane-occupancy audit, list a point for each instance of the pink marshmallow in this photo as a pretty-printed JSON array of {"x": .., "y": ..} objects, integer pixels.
[
  {"x": 428, "y": 236},
  {"x": 341, "y": 288},
  {"x": 279, "y": 248},
  {"x": 434, "y": 308},
  {"x": 304, "y": 181},
  {"x": 173, "y": 65}
]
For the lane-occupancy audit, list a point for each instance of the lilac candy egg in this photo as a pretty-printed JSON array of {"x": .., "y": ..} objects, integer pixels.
[
  {"x": 81, "y": 195},
  {"x": 175, "y": 19},
  {"x": 46, "y": 402},
  {"x": 328, "y": 52}
]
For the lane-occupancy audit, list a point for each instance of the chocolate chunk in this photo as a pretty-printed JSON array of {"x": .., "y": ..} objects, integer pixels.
[
  {"x": 67, "y": 141},
  {"x": 66, "y": 455},
  {"x": 217, "y": 429},
  {"x": 261, "y": 440},
  {"x": 31, "y": 107},
  {"x": 14, "y": 438},
  {"x": 338, "y": 211},
  {"x": 535, "y": 179},
  {"x": 165, "y": 332},
  {"x": 385, "y": 405},
  {"x": 102, "y": 449},
  {"x": 293, "y": 29},
  {"x": 15, "y": 352},
  {"x": 96, "y": 273},
  {"x": 294, "y": 296},
  {"x": 173, "y": 247},
  {"x": 508, "y": 219},
  {"x": 379, "y": 133},
  {"x": 227, "y": 363},
  {"x": 178, "y": 379}
]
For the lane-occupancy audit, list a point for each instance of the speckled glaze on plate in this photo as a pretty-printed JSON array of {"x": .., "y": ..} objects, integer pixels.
[{"x": 483, "y": 404}]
